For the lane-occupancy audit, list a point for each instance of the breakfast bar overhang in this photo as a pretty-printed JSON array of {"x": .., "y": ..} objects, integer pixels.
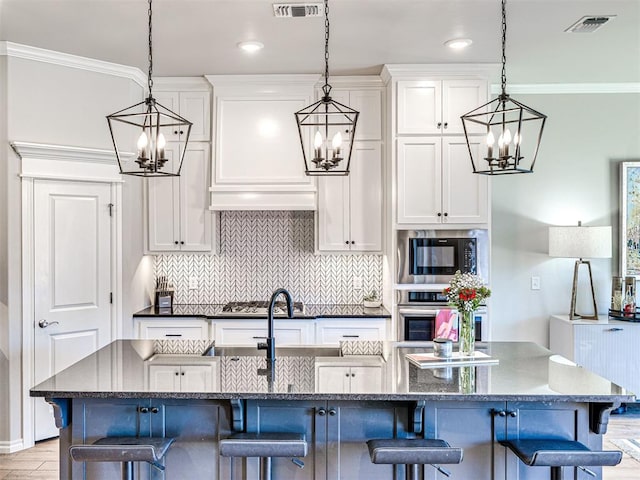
[{"x": 122, "y": 390}]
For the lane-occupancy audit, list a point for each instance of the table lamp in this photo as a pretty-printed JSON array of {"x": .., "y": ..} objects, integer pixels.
[{"x": 580, "y": 242}]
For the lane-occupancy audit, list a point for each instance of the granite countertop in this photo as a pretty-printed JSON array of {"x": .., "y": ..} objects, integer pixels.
[
  {"x": 314, "y": 310},
  {"x": 525, "y": 372}
]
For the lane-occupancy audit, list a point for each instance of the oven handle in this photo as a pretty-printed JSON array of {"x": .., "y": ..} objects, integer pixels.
[{"x": 409, "y": 312}]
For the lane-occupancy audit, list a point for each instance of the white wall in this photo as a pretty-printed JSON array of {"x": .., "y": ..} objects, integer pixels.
[
  {"x": 59, "y": 105},
  {"x": 576, "y": 178}
]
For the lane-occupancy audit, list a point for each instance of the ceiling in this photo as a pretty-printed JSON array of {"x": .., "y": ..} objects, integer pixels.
[{"x": 195, "y": 37}]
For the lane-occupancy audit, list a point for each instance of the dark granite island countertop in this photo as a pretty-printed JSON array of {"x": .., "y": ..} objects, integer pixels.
[
  {"x": 311, "y": 311},
  {"x": 525, "y": 372}
]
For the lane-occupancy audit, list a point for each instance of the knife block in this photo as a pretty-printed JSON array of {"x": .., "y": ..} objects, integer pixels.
[{"x": 164, "y": 299}]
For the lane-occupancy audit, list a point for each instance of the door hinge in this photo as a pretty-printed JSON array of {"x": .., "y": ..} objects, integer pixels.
[
  {"x": 111, "y": 209},
  {"x": 110, "y": 297}
]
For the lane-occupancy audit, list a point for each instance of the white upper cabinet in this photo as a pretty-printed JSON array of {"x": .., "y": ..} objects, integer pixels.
[
  {"x": 179, "y": 218},
  {"x": 436, "y": 184},
  {"x": 258, "y": 163},
  {"x": 191, "y": 99},
  {"x": 369, "y": 104},
  {"x": 350, "y": 208},
  {"x": 427, "y": 107}
]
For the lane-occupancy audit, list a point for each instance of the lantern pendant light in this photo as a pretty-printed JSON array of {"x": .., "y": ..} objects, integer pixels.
[
  {"x": 145, "y": 125},
  {"x": 331, "y": 124},
  {"x": 516, "y": 152}
]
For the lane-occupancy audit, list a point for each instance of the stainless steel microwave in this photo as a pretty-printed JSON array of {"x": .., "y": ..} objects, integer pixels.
[{"x": 433, "y": 257}]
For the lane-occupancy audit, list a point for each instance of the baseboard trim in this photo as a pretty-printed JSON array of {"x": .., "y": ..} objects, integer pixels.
[{"x": 11, "y": 447}]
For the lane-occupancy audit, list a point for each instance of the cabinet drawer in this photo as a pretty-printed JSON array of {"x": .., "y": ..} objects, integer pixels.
[
  {"x": 249, "y": 332},
  {"x": 189, "y": 329},
  {"x": 333, "y": 331}
]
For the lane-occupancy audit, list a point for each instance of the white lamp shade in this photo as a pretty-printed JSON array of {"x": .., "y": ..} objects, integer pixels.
[{"x": 580, "y": 242}]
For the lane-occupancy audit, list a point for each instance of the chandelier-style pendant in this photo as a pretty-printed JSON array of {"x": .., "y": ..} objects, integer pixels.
[
  {"x": 331, "y": 124},
  {"x": 144, "y": 126},
  {"x": 512, "y": 130}
]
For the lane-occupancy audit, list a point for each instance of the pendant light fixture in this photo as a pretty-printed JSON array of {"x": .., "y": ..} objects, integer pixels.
[
  {"x": 145, "y": 125},
  {"x": 516, "y": 127},
  {"x": 331, "y": 124}
]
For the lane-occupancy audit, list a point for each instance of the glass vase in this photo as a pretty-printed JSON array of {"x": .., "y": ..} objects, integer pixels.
[{"x": 467, "y": 333}]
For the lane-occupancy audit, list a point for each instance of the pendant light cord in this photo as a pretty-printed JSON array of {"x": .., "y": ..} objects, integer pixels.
[
  {"x": 504, "y": 48},
  {"x": 149, "y": 78},
  {"x": 326, "y": 88}
]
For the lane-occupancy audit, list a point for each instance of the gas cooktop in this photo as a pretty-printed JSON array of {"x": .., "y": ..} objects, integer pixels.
[{"x": 260, "y": 308}]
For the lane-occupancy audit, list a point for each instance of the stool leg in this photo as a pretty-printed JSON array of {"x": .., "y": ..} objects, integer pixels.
[
  {"x": 556, "y": 473},
  {"x": 412, "y": 472},
  {"x": 127, "y": 470},
  {"x": 265, "y": 468}
]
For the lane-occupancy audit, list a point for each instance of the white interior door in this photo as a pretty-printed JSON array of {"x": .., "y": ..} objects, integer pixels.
[{"x": 72, "y": 272}]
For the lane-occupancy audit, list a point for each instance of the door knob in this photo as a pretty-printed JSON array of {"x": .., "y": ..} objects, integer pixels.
[{"x": 44, "y": 323}]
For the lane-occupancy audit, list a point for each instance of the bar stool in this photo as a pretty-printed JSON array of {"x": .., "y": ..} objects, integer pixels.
[
  {"x": 125, "y": 450},
  {"x": 413, "y": 452},
  {"x": 265, "y": 445},
  {"x": 561, "y": 453}
]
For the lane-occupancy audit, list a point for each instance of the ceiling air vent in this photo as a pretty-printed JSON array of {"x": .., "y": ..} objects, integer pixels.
[
  {"x": 290, "y": 10},
  {"x": 589, "y": 24}
]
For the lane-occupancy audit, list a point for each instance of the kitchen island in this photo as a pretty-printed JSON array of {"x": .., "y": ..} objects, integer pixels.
[{"x": 338, "y": 401}]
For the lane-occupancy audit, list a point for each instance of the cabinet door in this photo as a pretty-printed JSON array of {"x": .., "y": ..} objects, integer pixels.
[
  {"x": 465, "y": 195},
  {"x": 419, "y": 178},
  {"x": 333, "y": 379},
  {"x": 610, "y": 350},
  {"x": 419, "y": 107},
  {"x": 460, "y": 97},
  {"x": 333, "y": 213},
  {"x": 365, "y": 195},
  {"x": 164, "y": 378},
  {"x": 366, "y": 379},
  {"x": 330, "y": 332},
  {"x": 369, "y": 104},
  {"x": 163, "y": 207},
  {"x": 195, "y": 216},
  {"x": 196, "y": 378},
  {"x": 171, "y": 101},
  {"x": 196, "y": 107}
]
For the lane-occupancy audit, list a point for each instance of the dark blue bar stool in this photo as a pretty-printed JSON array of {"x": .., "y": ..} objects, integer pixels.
[
  {"x": 413, "y": 452},
  {"x": 125, "y": 450},
  {"x": 265, "y": 446},
  {"x": 561, "y": 453}
]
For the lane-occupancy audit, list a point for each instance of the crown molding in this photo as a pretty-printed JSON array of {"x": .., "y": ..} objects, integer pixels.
[
  {"x": 41, "y": 151},
  {"x": 437, "y": 69},
  {"x": 568, "y": 88},
  {"x": 261, "y": 80},
  {"x": 27, "y": 52}
]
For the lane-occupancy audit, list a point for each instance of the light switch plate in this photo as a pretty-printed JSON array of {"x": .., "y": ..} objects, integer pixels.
[
  {"x": 193, "y": 283},
  {"x": 535, "y": 283},
  {"x": 357, "y": 283}
]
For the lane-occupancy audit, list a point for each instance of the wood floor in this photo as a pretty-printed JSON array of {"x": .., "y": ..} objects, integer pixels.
[{"x": 41, "y": 461}]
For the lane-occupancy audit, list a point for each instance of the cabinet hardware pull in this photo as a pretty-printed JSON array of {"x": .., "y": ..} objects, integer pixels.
[
  {"x": 353, "y": 242},
  {"x": 350, "y": 336},
  {"x": 439, "y": 214},
  {"x": 346, "y": 374},
  {"x": 175, "y": 132},
  {"x": 143, "y": 409},
  {"x": 353, "y": 374},
  {"x": 181, "y": 132},
  {"x": 182, "y": 373},
  {"x": 446, "y": 214},
  {"x": 499, "y": 413},
  {"x": 513, "y": 413},
  {"x": 446, "y": 124},
  {"x": 347, "y": 242},
  {"x": 155, "y": 409},
  {"x": 259, "y": 338},
  {"x": 177, "y": 373},
  {"x": 322, "y": 412},
  {"x": 176, "y": 242},
  {"x": 439, "y": 125},
  {"x": 332, "y": 412},
  {"x": 181, "y": 242},
  {"x": 615, "y": 329},
  {"x": 172, "y": 334}
]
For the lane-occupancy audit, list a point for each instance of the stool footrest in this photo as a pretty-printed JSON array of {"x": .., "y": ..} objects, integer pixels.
[
  {"x": 413, "y": 451},
  {"x": 264, "y": 444},
  {"x": 560, "y": 453}
]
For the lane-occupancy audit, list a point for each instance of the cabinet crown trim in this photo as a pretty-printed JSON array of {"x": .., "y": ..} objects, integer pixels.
[
  {"x": 276, "y": 79},
  {"x": 438, "y": 69}
]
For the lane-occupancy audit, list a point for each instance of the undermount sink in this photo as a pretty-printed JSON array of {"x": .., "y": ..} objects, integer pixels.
[{"x": 246, "y": 351}]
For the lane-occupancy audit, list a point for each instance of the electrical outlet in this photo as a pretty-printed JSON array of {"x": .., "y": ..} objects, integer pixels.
[
  {"x": 357, "y": 283},
  {"x": 193, "y": 283},
  {"x": 535, "y": 283}
]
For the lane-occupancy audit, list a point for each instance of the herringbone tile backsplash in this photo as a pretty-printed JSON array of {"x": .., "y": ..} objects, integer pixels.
[{"x": 261, "y": 251}]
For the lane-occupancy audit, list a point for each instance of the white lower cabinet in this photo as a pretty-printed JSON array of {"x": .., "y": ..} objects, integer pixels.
[
  {"x": 355, "y": 374},
  {"x": 168, "y": 373},
  {"x": 249, "y": 332},
  {"x": 185, "y": 328},
  {"x": 332, "y": 330},
  {"x": 606, "y": 347}
]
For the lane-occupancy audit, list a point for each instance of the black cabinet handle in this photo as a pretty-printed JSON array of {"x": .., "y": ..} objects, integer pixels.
[
  {"x": 346, "y": 374},
  {"x": 143, "y": 409},
  {"x": 155, "y": 409},
  {"x": 353, "y": 242},
  {"x": 615, "y": 329},
  {"x": 446, "y": 124},
  {"x": 182, "y": 373},
  {"x": 513, "y": 414},
  {"x": 439, "y": 125},
  {"x": 175, "y": 132},
  {"x": 176, "y": 242},
  {"x": 181, "y": 132},
  {"x": 350, "y": 336},
  {"x": 177, "y": 373},
  {"x": 173, "y": 335},
  {"x": 439, "y": 214},
  {"x": 347, "y": 242},
  {"x": 332, "y": 412},
  {"x": 353, "y": 374},
  {"x": 446, "y": 214},
  {"x": 181, "y": 242},
  {"x": 322, "y": 412},
  {"x": 499, "y": 413}
]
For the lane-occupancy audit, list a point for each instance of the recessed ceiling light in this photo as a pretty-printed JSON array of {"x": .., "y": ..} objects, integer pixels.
[
  {"x": 251, "y": 46},
  {"x": 458, "y": 43}
]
